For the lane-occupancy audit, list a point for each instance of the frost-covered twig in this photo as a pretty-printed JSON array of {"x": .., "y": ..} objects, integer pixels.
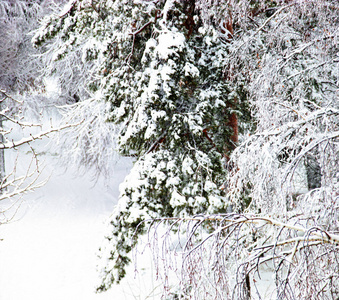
[
  {"x": 14, "y": 185},
  {"x": 6, "y": 95},
  {"x": 272, "y": 17},
  {"x": 31, "y": 138},
  {"x": 18, "y": 186},
  {"x": 259, "y": 249}
]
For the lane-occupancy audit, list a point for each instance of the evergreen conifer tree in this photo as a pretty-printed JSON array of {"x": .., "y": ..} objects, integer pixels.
[
  {"x": 160, "y": 69},
  {"x": 174, "y": 75}
]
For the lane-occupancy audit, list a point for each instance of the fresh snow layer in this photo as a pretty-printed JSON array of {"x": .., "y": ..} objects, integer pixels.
[{"x": 49, "y": 250}]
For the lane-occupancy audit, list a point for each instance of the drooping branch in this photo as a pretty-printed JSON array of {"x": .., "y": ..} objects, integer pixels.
[
  {"x": 245, "y": 239},
  {"x": 235, "y": 219}
]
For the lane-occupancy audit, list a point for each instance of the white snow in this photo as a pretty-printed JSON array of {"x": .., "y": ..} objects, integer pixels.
[
  {"x": 177, "y": 199},
  {"x": 168, "y": 41},
  {"x": 191, "y": 70},
  {"x": 49, "y": 250}
]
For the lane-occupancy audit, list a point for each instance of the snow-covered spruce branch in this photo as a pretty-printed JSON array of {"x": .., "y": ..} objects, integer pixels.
[{"x": 137, "y": 31}]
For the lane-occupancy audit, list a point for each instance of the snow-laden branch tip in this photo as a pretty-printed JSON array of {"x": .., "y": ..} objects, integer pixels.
[
  {"x": 21, "y": 188},
  {"x": 31, "y": 138}
]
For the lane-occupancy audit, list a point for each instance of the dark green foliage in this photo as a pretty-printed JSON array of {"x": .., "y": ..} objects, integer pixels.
[{"x": 161, "y": 71}]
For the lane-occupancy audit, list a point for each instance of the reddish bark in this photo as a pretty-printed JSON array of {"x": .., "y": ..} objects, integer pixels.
[
  {"x": 228, "y": 24},
  {"x": 189, "y": 22},
  {"x": 233, "y": 120},
  {"x": 233, "y": 123}
]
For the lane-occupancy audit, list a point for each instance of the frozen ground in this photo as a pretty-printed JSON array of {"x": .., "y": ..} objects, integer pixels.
[{"x": 49, "y": 248}]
